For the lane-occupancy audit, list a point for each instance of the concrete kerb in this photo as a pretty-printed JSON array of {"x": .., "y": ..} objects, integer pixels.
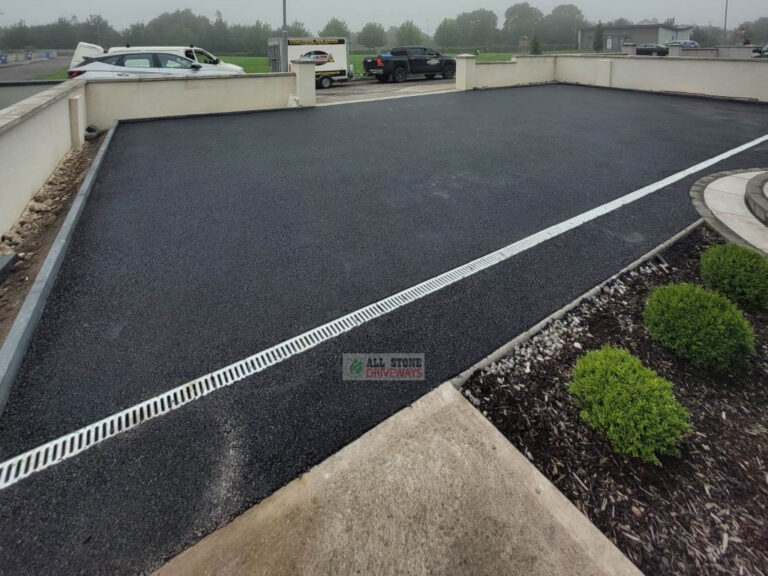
[
  {"x": 459, "y": 380},
  {"x": 17, "y": 113},
  {"x": 697, "y": 197},
  {"x": 757, "y": 201},
  {"x": 16, "y": 343}
]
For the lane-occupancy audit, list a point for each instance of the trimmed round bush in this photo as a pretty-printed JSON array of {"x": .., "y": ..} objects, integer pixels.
[
  {"x": 737, "y": 272},
  {"x": 629, "y": 405},
  {"x": 701, "y": 326}
]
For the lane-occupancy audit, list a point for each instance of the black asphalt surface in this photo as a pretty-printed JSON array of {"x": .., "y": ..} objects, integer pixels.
[{"x": 208, "y": 239}]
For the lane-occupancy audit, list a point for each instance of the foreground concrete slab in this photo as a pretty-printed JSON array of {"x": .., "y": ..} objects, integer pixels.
[{"x": 433, "y": 489}]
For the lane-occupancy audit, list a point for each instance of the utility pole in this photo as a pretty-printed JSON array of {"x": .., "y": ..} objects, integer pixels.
[
  {"x": 725, "y": 25},
  {"x": 284, "y": 41}
]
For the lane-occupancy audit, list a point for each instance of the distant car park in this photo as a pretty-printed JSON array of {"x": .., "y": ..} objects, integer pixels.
[{"x": 652, "y": 50}]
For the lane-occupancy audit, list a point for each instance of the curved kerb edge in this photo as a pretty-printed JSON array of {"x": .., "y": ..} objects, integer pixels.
[{"x": 697, "y": 197}]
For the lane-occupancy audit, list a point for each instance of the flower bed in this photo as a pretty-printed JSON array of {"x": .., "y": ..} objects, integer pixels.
[{"x": 704, "y": 512}]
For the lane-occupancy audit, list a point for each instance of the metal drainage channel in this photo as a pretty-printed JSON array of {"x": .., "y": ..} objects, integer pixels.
[{"x": 67, "y": 446}]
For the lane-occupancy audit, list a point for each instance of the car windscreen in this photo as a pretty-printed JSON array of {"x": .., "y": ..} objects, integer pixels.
[{"x": 205, "y": 57}]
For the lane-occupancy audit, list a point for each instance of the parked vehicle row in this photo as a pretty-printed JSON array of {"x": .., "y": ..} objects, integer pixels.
[
  {"x": 92, "y": 61},
  {"x": 662, "y": 49}
]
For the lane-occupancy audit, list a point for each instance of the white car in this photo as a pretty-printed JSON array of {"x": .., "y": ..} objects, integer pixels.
[
  {"x": 207, "y": 62},
  {"x": 143, "y": 65}
]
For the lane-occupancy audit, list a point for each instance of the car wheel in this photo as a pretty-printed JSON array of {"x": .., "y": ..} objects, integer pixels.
[
  {"x": 429, "y": 76},
  {"x": 326, "y": 82},
  {"x": 449, "y": 71},
  {"x": 399, "y": 75}
]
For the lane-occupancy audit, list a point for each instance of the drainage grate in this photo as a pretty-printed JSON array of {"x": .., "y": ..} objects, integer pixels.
[{"x": 42, "y": 457}]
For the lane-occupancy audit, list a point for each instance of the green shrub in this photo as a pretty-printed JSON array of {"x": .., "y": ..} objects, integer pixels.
[
  {"x": 737, "y": 272},
  {"x": 628, "y": 404},
  {"x": 701, "y": 326}
]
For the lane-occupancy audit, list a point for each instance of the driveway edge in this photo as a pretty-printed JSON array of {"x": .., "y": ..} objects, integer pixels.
[
  {"x": 16, "y": 343},
  {"x": 459, "y": 380}
]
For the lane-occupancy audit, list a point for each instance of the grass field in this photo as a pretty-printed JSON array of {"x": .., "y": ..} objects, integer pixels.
[{"x": 60, "y": 75}]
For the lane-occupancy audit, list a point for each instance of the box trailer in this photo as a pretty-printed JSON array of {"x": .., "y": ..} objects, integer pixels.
[{"x": 331, "y": 57}]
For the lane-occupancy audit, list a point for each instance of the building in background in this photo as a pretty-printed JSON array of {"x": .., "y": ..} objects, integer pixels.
[{"x": 615, "y": 36}]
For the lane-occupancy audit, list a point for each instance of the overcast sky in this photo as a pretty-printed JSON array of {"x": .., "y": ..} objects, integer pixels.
[{"x": 426, "y": 13}]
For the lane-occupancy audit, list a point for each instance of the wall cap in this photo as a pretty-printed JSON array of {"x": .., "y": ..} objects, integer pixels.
[
  {"x": 758, "y": 61},
  {"x": 19, "y": 112}
]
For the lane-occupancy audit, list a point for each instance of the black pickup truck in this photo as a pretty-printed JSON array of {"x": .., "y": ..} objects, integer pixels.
[{"x": 403, "y": 61}]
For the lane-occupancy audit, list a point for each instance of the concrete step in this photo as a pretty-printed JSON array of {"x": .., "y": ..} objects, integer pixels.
[{"x": 757, "y": 197}]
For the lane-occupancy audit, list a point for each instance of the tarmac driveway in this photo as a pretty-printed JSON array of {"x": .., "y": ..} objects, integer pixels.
[{"x": 208, "y": 239}]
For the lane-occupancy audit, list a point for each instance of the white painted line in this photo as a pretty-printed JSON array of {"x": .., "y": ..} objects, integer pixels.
[
  {"x": 377, "y": 99},
  {"x": 69, "y": 445}
]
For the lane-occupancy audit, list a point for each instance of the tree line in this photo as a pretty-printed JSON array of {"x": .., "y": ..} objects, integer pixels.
[{"x": 479, "y": 29}]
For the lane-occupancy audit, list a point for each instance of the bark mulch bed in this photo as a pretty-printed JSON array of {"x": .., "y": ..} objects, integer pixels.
[
  {"x": 705, "y": 512},
  {"x": 33, "y": 234}
]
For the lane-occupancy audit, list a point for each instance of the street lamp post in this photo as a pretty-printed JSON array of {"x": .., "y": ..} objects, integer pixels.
[
  {"x": 284, "y": 41},
  {"x": 725, "y": 25}
]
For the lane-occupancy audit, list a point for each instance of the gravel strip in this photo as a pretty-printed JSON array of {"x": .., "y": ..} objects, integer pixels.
[{"x": 32, "y": 235}]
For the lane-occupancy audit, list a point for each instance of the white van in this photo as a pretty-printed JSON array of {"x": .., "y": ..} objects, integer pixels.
[
  {"x": 203, "y": 57},
  {"x": 330, "y": 55}
]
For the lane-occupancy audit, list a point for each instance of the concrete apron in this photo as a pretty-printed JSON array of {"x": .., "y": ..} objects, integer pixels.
[{"x": 433, "y": 489}]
